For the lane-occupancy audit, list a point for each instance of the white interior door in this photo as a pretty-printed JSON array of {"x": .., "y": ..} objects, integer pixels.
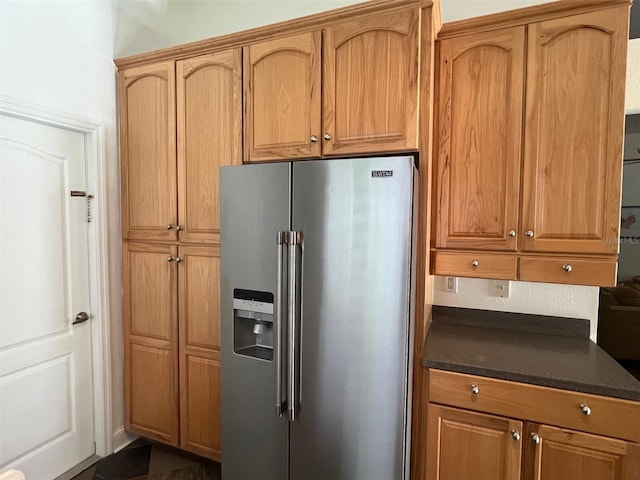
[{"x": 46, "y": 400}]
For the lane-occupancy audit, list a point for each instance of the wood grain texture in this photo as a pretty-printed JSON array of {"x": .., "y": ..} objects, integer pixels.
[
  {"x": 429, "y": 23},
  {"x": 148, "y": 151},
  {"x": 150, "y": 315},
  {"x": 490, "y": 265},
  {"x": 523, "y": 16},
  {"x": 465, "y": 445},
  {"x": 199, "y": 298},
  {"x": 370, "y": 83},
  {"x": 481, "y": 85},
  {"x": 609, "y": 416},
  {"x": 574, "y": 129},
  {"x": 209, "y": 121},
  {"x": 286, "y": 28},
  {"x": 583, "y": 271},
  {"x": 566, "y": 455},
  {"x": 282, "y": 98}
]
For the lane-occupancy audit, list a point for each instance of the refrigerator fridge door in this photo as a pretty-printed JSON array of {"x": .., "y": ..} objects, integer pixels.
[
  {"x": 255, "y": 206},
  {"x": 356, "y": 222}
]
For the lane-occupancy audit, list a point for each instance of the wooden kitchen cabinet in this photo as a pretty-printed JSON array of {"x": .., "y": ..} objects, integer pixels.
[
  {"x": 542, "y": 178},
  {"x": 463, "y": 444},
  {"x": 366, "y": 100},
  {"x": 150, "y": 302},
  {"x": 576, "y": 73},
  {"x": 479, "y": 427},
  {"x": 148, "y": 151}
]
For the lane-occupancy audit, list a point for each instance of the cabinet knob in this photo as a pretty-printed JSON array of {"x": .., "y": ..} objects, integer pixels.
[
  {"x": 516, "y": 435},
  {"x": 475, "y": 389},
  {"x": 585, "y": 409},
  {"x": 327, "y": 136},
  {"x": 169, "y": 227},
  {"x": 179, "y": 259},
  {"x": 314, "y": 139},
  {"x": 170, "y": 259},
  {"x": 512, "y": 233},
  {"x": 178, "y": 228},
  {"x": 529, "y": 233},
  {"x": 535, "y": 438},
  {"x": 475, "y": 263},
  {"x": 567, "y": 268}
]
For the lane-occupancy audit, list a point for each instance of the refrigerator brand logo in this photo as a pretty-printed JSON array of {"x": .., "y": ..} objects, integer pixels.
[{"x": 381, "y": 173}]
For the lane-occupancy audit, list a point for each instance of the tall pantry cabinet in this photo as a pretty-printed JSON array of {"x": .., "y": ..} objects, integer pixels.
[{"x": 179, "y": 122}]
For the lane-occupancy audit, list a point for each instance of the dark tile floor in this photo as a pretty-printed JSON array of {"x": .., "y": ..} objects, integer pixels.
[{"x": 148, "y": 460}]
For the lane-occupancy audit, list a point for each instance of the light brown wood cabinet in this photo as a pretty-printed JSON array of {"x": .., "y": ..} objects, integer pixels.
[
  {"x": 499, "y": 432},
  {"x": 539, "y": 177},
  {"x": 181, "y": 124},
  {"x": 365, "y": 102}
]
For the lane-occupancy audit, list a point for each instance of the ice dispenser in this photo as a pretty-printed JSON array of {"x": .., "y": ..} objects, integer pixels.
[{"x": 253, "y": 324}]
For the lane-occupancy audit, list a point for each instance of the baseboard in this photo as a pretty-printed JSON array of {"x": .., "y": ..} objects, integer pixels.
[{"x": 121, "y": 439}]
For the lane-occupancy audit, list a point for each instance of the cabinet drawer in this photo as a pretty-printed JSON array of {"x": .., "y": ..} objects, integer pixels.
[
  {"x": 480, "y": 265},
  {"x": 569, "y": 270},
  {"x": 608, "y": 416}
]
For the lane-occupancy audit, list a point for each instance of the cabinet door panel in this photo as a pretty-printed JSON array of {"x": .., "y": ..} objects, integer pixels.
[
  {"x": 209, "y": 108},
  {"x": 465, "y": 445},
  {"x": 569, "y": 455},
  {"x": 150, "y": 338},
  {"x": 480, "y": 122},
  {"x": 199, "y": 294},
  {"x": 574, "y": 128},
  {"x": 370, "y": 89},
  {"x": 148, "y": 151},
  {"x": 282, "y": 98}
]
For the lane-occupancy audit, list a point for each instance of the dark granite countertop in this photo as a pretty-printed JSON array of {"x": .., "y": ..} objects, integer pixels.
[{"x": 540, "y": 350}]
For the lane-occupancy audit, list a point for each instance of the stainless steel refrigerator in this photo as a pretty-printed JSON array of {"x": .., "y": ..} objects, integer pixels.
[{"x": 316, "y": 275}]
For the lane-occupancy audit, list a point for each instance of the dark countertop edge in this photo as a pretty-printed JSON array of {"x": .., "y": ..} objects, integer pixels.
[
  {"x": 522, "y": 322},
  {"x": 599, "y": 390}
]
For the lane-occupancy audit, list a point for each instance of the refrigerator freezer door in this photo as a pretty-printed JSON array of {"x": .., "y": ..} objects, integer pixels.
[
  {"x": 255, "y": 206},
  {"x": 355, "y": 217}
]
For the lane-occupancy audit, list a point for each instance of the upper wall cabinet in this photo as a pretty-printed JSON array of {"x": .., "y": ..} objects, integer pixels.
[
  {"x": 536, "y": 183},
  {"x": 574, "y": 133},
  {"x": 148, "y": 151},
  {"x": 368, "y": 92},
  {"x": 164, "y": 198}
]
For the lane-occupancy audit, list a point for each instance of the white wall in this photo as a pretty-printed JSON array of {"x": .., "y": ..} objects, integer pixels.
[{"x": 632, "y": 102}]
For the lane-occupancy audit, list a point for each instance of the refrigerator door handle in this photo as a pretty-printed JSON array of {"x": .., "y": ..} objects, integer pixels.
[
  {"x": 283, "y": 239},
  {"x": 295, "y": 240}
]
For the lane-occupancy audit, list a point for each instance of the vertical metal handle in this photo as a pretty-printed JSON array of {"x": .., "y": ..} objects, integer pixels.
[
  {"x": 294, "y": 303},
  {"x": 280, "y": 299}
]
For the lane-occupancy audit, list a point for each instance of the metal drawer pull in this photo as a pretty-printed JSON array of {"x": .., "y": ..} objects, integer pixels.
[
  {"x": 585, "y": 409},
  {"x": 529, "y": 233},
  {"x": 170, "y": 259},
  {"x": 327, "y": 136},
  {"x": 169, "y": 227},
  {"x": 535, "y": 438},
  {"x": 314, "y": 139},
  {"x": 512, "y": 233},
  {"x": 475, "y": 263},
  {"x": 516, "y": 435},
  {"x": 475, "y": 389},
  {"x": 567, "y": 268}
]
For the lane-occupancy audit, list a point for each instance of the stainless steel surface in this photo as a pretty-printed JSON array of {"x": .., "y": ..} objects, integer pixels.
[
  {"x": 314, "y": 139},
  {"x": 352, "y": 418},
  {"x": 255, "y": 203},
  {"x": 529, "y": 233},
  {"x": 81, "y": 318},
  {"x": 475, "y": 263},
  {"x": 567, "y": 268},
  {"x": 515, "y": 434},
  {"x": 535, "y": 438},
  {"x": 293, "y": 324},
  {"x": 327, "y": 136},
  {"x": 512, "y": 233},
  {"x": 170, "y": 259},
  {"x": 282, "y": 238},
  {"x": 475, "y": 389},
  {"x": 585, "y": 409}
]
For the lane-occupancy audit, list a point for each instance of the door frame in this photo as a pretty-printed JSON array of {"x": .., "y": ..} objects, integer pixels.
[{"x": 95, "y": 154}]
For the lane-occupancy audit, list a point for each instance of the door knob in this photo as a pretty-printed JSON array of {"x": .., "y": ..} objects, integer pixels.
[{"x": 81, "y": 318}]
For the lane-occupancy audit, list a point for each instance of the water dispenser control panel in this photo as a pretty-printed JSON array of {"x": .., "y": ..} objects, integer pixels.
[{"x": 253, "y": 324}]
